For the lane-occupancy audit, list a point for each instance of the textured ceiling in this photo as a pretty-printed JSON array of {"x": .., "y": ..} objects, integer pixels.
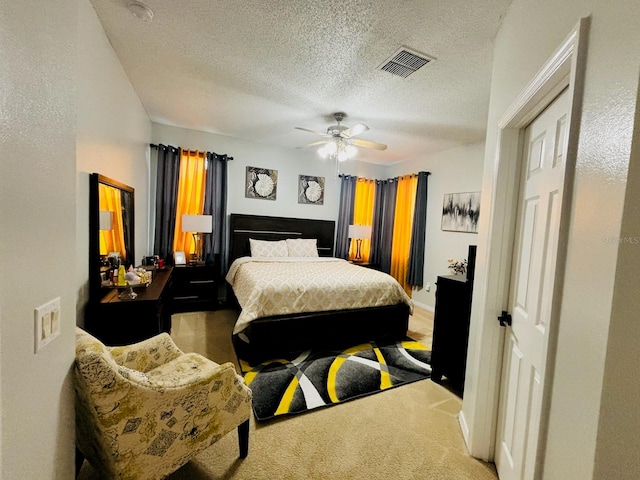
[{"x": 257, "y": 69}]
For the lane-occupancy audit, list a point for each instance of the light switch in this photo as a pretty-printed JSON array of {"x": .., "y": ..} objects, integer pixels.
[{"x": 46, "y": 323}]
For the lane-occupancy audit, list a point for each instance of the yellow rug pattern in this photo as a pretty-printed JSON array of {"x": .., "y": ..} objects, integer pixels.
[{"x": 314, "y": 379}]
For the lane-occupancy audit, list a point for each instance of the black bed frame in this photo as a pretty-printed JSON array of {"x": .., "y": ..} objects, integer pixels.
[{"x": 281, "y": 334}]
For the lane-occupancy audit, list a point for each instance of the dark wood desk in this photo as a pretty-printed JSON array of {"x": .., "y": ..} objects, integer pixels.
[{"x": 121, "y": 322}]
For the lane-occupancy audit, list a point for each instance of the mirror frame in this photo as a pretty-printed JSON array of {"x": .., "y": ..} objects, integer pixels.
[{"x": 95, "y": 179}]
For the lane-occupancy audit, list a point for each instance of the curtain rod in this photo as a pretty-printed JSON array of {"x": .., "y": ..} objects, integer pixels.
[
  {"x": 377, "y": 179},
  {"x": 153, "y": 145}
]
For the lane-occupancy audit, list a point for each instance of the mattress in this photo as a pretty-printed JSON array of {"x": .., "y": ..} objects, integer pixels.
[{"x": 268, "y": 286}]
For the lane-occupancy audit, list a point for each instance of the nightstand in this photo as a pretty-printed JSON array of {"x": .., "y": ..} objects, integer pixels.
[
  {"x": 373, "y": 266},
  {"x": 194, "y": 288},
  {"x": 451, "y": 330}
]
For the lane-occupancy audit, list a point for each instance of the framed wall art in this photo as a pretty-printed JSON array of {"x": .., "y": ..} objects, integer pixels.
[
  {"x": 261, "y": 183},
  {"x": 460, "y": 212},
  {"x": 310, "y": 190}
]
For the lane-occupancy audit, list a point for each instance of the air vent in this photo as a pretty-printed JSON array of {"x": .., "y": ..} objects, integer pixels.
[{"x": 404, "y": 62}]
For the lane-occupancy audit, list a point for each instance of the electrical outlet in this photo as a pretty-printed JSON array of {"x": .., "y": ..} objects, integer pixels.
[
  {"x": 427, "y": 287},
  {"x": 46, "y": 323}
]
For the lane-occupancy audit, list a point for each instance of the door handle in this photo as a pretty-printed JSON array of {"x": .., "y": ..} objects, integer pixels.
[{"x": 505, "y": 319}]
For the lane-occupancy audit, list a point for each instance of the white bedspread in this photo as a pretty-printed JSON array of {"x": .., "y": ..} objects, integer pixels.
[{"x": 279, "y": 286}]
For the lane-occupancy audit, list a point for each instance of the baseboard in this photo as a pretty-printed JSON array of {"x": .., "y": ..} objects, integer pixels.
[
  {"x": 424, "y": 306},
  {"x": 464, "y": 428}
]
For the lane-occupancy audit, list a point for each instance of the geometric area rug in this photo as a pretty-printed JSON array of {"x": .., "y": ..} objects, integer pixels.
[{"x": 313, "y": 379}]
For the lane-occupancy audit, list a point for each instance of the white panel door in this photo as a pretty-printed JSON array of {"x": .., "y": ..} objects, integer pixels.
[{"x": 530, "y": 298}]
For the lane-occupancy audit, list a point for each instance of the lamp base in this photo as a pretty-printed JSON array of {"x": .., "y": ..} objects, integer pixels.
[
  {"x": 193, "y": 261},
  {"x": 196, "y": 256},
  {"x": 358, "y": 257}
]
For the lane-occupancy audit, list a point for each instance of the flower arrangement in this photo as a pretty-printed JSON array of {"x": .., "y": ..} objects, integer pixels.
[
  {"x": 145, "y": 276},
  {"x": 458, "y": 267},
  {"x": 138, "y": 276}
]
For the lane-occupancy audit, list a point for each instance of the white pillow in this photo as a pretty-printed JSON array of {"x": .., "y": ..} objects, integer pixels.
[
  {"x": 302, "y": 247},
  {"x": 264, "y": 248}
]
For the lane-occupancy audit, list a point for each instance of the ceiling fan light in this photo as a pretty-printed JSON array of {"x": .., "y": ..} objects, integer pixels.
[
  {"x": 331, "y": 147},
  {"x": 141, "y": 11},
  {"x": 342, "y": 156},
  {"x": 322, "y": 151},
  {"x": 351, "y": 151}
]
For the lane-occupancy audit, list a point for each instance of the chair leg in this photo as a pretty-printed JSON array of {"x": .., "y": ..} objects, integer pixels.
[{"x": 243, "y": 439}]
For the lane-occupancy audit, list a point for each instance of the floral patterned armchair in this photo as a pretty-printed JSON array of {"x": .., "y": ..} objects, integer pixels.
[{"x": 144, "y": 410}]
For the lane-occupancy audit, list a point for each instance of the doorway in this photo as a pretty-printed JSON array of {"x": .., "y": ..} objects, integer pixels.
[
  {"x": 533, "y": 273},
  {"x": 479, "y": 416}
]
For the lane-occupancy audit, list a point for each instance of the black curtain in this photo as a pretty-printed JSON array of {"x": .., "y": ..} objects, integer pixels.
[
  {"x": 345, "y": 215},
  {"x": 166, "y": 201},
  {"x": 383, "y": 221},
  {"x": 215, "y": 204},
  {"x": 416, "y": 253},
  {"x": 376, "y": 225},
  {"x": 126, "y": 200}
]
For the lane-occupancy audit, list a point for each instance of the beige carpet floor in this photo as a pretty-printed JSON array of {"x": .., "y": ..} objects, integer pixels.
[{"x": 409, "y": 432}]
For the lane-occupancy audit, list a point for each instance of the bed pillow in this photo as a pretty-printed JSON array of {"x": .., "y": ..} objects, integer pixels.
[
  {"x": 302, "y": 247},
  {"x": 265, "y": 248}
]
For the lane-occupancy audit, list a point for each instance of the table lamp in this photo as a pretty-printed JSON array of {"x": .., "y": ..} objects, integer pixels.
[
  {"x": 106, "y": 220},
  {"x": 197, "y": 225},
  {"x": 359, "y": 233}
]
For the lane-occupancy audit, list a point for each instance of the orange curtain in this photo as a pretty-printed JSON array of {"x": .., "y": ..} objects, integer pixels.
[
  {"x": 363, "y": 214},
  {"x": 191, "y": 185},
  {"x": 112, "y": 240},
  {"x": 405, "y": 203}
]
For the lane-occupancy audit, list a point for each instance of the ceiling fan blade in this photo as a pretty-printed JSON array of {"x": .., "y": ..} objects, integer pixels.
[
  {"x": 313, "y": 131},
  {"x": 368, "y": 144},
  {"x": 321, "y": 142},
  {"x": 357, "y": 129}
]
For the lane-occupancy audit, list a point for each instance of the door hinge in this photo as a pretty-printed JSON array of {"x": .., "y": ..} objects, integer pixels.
[{"x": 505, "y": 319}]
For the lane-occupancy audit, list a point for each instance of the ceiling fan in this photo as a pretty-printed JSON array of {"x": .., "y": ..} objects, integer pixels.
[{"x": 340, "y": 143}]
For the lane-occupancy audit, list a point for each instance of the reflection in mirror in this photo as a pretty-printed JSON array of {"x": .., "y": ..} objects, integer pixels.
[
  {"x": 111, "y": 232},
  {"x": 111, "y": 224}
]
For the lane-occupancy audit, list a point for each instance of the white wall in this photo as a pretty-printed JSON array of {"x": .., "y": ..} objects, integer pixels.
[
  {"x": 446, "y": 178},
  {"x": 364, "y": 169},
  {"x": 288, "y": 162},
  {"x": 452, "y": 171},
  {"x": 581, "y": 428},
  {"x": 617, "y": 453},
  {"x": 113, "y": 138},
  {"x": 37, "y": 235}
]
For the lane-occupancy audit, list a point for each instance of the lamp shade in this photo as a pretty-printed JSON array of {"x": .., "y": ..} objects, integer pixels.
[
  {"x": 197, "y": 223},
  {"x": 106, "y": 220},
  {"x": 359, "y": 231}
]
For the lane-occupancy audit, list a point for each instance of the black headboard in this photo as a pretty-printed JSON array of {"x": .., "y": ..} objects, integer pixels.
[{"x": 259, "y": 227}]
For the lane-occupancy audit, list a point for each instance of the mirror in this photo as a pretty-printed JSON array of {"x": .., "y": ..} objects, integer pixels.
[{"x": 111, "y": 227}]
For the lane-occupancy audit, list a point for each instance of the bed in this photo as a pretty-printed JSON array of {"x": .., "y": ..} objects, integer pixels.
[{"x": 269, "y": 335}]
